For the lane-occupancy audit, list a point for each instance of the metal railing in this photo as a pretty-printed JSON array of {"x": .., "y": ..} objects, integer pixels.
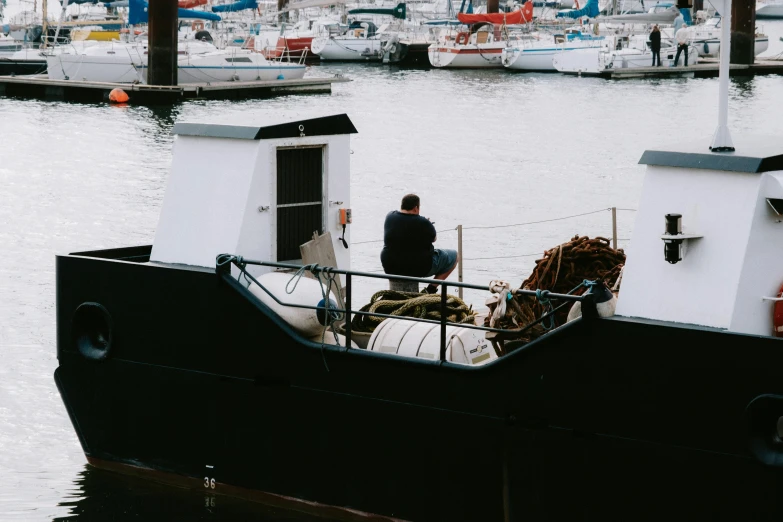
[
  {"x": 284, "y": 54},
  {"x": 225, "y": 261}
]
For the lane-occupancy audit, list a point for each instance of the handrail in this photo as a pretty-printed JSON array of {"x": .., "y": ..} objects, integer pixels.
[
  {"x": 223, "y": 263},
  {"x": 325, "y": 269}
]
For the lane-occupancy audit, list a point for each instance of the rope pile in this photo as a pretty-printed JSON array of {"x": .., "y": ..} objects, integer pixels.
[
  {"x": 562, "y": 269},
  {"x": 565, "y": 266},
  {"x": 410, "y": 304}
]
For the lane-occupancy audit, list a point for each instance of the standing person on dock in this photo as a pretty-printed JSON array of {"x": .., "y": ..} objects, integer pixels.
[
  {"x": 407, "y": 245},
  {"x": 655, "y": 44},
  {"x": 682, "y": 37}
]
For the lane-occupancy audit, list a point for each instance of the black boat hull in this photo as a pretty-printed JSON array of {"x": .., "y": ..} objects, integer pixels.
[
  {"x": 411, "y": 55},
  {"x": 18, "y": 68},
  {"x": 595, "y": 419}
]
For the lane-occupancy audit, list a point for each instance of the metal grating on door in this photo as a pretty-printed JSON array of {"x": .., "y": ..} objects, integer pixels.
[{"x": 299, "y": 199}]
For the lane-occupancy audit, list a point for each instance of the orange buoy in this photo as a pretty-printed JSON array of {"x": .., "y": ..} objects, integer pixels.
[
  {"x": 118, "y": 96},
  {"x": 777, "y": 316}
]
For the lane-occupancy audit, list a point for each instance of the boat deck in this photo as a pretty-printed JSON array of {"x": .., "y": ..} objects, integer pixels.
[
  {"x": 707, "y": 68},
  {"x": 41, "y": 87}
]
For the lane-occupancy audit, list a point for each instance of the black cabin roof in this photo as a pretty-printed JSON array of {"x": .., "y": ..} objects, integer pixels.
[{"x": 324, "y": 126}]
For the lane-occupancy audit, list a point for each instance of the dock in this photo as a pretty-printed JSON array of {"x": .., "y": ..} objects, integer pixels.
[
  {"x": 706, "y": 68},
  {"x": 41, "y": 87}
]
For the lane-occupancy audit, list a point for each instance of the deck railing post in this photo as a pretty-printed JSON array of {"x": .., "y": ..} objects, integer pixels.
[
  {"x": 459, "y": 258},
  {"x": 348, "y": 311},
  {"x": 614, "y": 228},
  {"x": 443, "y": 320}
]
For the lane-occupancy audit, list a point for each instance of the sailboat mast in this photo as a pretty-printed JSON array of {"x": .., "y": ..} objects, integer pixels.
[{"x": 45, "y": 26}]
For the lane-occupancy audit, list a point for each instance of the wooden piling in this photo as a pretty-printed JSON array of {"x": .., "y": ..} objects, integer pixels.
[
  {"x": 743, "y": 31},
  {"x": 614, "y": 228},
  {"x": 459, "y": 258},
  {"x": 493, "y": 6},
  {"x": 162, "y": 30}
]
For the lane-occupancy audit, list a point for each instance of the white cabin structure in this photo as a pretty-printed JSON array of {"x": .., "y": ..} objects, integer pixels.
[
  {"x": 255, "y": 191},
  {"x": 734, "y": 258}
]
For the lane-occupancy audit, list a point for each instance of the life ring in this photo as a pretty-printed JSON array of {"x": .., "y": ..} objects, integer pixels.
[
  {"x": 462, "y": 38},
  {"x": 777, "y": 316}
]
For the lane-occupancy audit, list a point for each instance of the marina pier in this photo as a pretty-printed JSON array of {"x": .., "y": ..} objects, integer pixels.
[
  {"x": 39, "y": 87},
  {"x": 707, "y": 68}
]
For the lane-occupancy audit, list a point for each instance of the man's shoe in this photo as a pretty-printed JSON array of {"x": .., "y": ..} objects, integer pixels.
[{"x": 431, "y": 289}]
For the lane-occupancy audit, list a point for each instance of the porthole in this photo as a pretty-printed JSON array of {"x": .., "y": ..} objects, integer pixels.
[{"x": 92, "y": 331}]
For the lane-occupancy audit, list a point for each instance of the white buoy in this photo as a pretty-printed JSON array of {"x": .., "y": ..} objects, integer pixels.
[{"x": 414, "y": 339}]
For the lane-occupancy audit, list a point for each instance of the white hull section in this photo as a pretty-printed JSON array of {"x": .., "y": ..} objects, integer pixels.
[
  {"x": 531, "y": 59},
  {"x": 596, "y": 61},
  {"x": 111, "y": 69},
  {"x": 212, "y": 67},
  {"x": 482, "y": 56},
  {"x": 128, "y": 65},
  {"x": 769, "y": 11},
  {"x": 347, "y": 49},
  {"x": 711, "y": 47}
]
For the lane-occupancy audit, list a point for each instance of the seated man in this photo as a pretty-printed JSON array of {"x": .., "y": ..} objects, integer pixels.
[{"x": 407, "y": 245}]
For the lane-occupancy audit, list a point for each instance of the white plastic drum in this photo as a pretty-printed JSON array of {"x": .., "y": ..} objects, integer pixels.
[
  {"x": 412, "y": 339},
  {"x": 308, "y": 292}
]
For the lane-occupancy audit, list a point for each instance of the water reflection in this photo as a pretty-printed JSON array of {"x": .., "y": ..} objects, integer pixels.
[
  {"x": 742, "y": 88},
  {"x": 103, "y": 495}
]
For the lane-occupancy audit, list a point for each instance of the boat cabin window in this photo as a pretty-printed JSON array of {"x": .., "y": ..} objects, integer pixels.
[
  {"x": 300, "y": 208},
  {"x": 239, "y": 60}
]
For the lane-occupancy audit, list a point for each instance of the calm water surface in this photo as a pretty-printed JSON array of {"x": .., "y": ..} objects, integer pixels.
[{"x": 482, "y": 148}]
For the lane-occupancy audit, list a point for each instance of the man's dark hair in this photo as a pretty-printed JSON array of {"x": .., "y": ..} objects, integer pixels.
[{"x": 409, "y": 202}]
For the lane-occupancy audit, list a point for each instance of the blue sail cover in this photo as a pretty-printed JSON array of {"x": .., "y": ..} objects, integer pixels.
[
  {"x": 590, "y": 9},
  {"x": 236, "y": 6},
  {"x": 138, "y": 13}
]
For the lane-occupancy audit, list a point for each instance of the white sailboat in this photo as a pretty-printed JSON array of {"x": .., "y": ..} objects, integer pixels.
[
  {"x": 361, "y": 40},
  {"x": 198, "y": 62},
  {"x": 480, "y": 47},
  {"x": 707, "y": 38},
  {"x": 637, "y": 54},
  {"x": 536, "y": 52}
]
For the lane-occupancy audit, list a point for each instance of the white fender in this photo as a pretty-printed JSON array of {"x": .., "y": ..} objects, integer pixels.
[{"x": 307, "y": 292}]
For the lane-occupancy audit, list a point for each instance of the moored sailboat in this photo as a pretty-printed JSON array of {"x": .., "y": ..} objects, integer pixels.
[
  {"x": 536, "y": 52},
  {"x": 482, "y": 45}
]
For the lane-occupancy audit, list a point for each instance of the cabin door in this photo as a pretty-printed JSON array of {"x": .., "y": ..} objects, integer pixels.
[{"x": 300, "y": 208}]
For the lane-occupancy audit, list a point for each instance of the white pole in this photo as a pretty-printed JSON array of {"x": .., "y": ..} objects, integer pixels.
[{"x": 721, "y": 140}]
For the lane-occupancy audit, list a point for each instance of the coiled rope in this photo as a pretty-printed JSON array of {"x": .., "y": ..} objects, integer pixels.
[{"x": 411, "y": 304}]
